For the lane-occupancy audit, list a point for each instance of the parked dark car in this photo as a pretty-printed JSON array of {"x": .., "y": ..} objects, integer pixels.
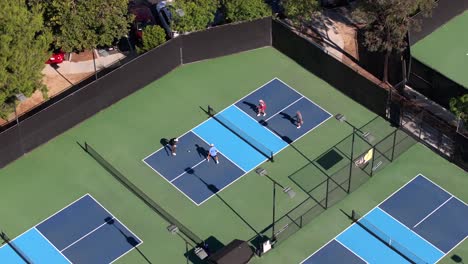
[{"x": 164, "y": 17}]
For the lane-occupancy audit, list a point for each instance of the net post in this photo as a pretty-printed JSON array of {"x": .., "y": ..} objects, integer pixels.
[
  {"x": 210, "y": 110},
  {"x": 353, "y": 215}
]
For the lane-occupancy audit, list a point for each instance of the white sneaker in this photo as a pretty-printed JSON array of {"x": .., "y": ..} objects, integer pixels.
[
  {"x": 258, "y": 114},
  {"x": 217, "y": 162},
  {"x": 264, "y": 114},
  {"x": 298, "y": 127},
  {"x": 173, "y": 154}
]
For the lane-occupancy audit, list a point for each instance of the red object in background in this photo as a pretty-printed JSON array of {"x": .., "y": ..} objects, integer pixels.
[
  {"x": 143, "y": 18},
  {"x": 57, "y": 57}
]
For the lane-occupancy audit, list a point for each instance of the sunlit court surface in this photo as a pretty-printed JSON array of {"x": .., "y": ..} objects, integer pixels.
[
  {"x": 244, "y": 139},
  {"x": 420, "y": 223},
  {"x": 66, "y": 204}
]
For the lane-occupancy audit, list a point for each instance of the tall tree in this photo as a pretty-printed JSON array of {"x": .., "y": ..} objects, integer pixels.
[
  {"x": 198, "y": 14},
  {"x": 86, "y": 24},
  {"x": 153, "y": 36},
  {"x": 387, "y": 23},
  {"x": 300, "y": 11},
  {"x": 24, "y": 42},
  {"x": 244, "y": 10}
]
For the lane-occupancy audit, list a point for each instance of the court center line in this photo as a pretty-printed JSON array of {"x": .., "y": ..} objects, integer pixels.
[
  {"x": 225, "y": 156},
  {"x": 38, "y": 231},
  {"x": 89, "y": 233},
  {"x": 409, "y": 229},
  {"x": 266, "y": 120},
  {"x": 186, "y": 172},
  {"x": 354, "y": 253},
  {"x": 433, "y": 212}
]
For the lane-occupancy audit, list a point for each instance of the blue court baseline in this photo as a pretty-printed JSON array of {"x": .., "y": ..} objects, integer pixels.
[
  {"x": 438, "y": 228},
  {"x": 82, "y": 232},
  {"x": 198, "y": 181}
]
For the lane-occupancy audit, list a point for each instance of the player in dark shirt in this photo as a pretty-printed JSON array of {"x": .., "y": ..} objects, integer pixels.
[{"x": 173, "y": 144}]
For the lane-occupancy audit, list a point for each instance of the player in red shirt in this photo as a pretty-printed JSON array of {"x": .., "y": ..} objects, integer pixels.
[{"x": 261, "y": 108}]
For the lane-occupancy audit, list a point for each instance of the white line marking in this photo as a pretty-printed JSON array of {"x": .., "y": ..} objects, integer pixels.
[
  {"x": 128, "y": 229},
  {"x": 258, "y": 123},
  {"x": 70, "y": 204},
  {"x": 125, "y": 253},
  {"x": 442, "y": 189},
  {"x": 245, "y": 172},
  {"x": 357, "y": 255},
  {"x": 52, "y": 244},
  {"x": 34, "y": 227},
  {"x": 87, "y": 234},
  {"x": 225, "y": 156},
  {"x": 302, "y": 95},
  {"x": 408, "y": 228},
  {"x": 438, "y": 207},
  {"x": 448, "y": 252},
  {"x": 266, "y": 120},
  {"x": 194, "y": 166}
]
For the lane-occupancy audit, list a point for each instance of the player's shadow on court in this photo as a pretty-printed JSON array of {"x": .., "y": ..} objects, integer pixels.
[
  {"x": 165, "y": 143},
  {"x": 252, "y": 107},
  {"x": 202, "y": 152},
  {"x": 130, "y": 240},
  {"x": 285, "y": 138},
  {"x": 288, "y": 117}
]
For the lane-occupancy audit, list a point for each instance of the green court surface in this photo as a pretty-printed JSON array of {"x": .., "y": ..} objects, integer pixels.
[
  {"x": 446, "y": 49},
  {"x": 57, "y": 173}
]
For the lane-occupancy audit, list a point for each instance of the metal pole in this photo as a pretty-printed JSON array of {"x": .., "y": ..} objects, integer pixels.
[
  {"x": 94, "y": 62},
  {"x": 326, "y": 195},
  {"x": 393, "y": 146},
  {"x": 372, "y": 164},
  {"x": 351, "y": 163},
  {"x": 274, "y": 210}
]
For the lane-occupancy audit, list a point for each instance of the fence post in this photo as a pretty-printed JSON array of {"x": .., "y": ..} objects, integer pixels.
[
  {"x": 351, "y": 163},
  {"x": 373, "y": 158},
  {"x": 393, "y": 145},
  {"x": 326, "y": 195}
]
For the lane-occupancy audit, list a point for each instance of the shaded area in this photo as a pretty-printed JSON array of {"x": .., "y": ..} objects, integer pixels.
[{"x": 141, "y": 195}]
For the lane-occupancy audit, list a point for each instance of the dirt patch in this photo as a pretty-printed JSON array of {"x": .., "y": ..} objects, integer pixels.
[
  {"x": 55, "y": 83},
  {"x": 82, "y": 56}
]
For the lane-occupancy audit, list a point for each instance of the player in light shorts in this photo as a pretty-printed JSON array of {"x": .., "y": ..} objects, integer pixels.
[{"x": 213, "y": 153}]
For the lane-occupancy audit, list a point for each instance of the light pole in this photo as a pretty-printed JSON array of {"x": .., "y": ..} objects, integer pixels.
[
  {"x": 366, "y": 135},
  {"x": 287, "y": 190},
  {"x": 200, "y": 252}
]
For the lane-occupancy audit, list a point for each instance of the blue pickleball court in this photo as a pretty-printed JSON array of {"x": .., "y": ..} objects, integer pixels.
[
  {"x": 421, "y": 222},
  {"x": 244, "y": 140},
  {"x": 82, "y": 233}
]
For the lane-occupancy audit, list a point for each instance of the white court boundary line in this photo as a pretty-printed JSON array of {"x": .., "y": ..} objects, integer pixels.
[
  {"x": 433, "y": 211},
  {"x": 377, "y": 206},
  {"x": 396, "y": 220},
  {"x": 234, "y": 104},
  {"x": 59, "y": 251}
]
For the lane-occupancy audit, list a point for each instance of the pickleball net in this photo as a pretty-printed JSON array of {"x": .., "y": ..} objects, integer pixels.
[
  {"x": 240, "y": 133},
  {"x": 141, "y": 195},
  {"x": 386, "y": 239},
  {"x": 20, "y": 253}
]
